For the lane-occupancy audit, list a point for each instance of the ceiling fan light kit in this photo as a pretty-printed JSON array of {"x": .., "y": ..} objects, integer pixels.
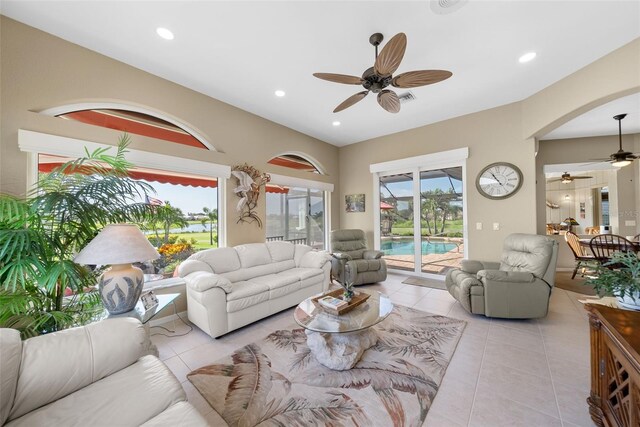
[
  {"x": 377, "y": 78},
  {"x": 621, "y": 158}
]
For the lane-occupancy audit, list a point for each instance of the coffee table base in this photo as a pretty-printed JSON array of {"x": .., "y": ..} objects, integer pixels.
[{"x": 340, "y": 351}]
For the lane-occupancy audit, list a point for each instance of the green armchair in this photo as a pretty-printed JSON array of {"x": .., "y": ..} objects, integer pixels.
[
  {"x": 518, "y": 287},
  {"x": 352, "y": 262}
]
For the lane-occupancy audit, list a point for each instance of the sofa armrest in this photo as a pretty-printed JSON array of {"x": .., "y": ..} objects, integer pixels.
[
  {"x": 505, "y": 276},
  {"x": 472, "y": 267},
  {"x": 58, "y": 364},
  {"x": 370, "y": 254},
  {"x": 201, "y": 281},
  {"x": 315, "y": 259},
  {"x": 192, "y": 265}
]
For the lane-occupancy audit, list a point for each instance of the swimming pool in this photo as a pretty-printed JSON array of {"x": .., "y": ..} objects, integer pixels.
[{"x": 405, "y": 247}]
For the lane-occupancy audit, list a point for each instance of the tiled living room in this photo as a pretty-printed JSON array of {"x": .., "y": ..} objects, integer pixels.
[
  {"x": 503, "y": 373},
  {"x": 280, "y": 213}
]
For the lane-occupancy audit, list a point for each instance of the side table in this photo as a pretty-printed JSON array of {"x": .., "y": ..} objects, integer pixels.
[
  {"x": 615, "y": 366},
  {"x": 145, "y": 316}
]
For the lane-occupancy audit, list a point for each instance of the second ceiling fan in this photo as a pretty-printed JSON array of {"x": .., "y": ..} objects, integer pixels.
[{"x": 378, "y": 77}]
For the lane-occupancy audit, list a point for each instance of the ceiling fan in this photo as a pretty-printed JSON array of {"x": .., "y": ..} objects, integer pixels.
[
  {"x": 378, "y": 77},
  {"x": 566, "y": 178},
  {"x": 621, "y": 158}
]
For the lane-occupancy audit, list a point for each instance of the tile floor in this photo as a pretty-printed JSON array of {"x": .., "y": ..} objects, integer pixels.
[{"x": 503, "y": 373}]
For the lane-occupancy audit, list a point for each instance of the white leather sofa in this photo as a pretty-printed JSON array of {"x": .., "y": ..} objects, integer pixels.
[
  {"x": 228, "y": 288},
  {"x": 95, "y": 375}
]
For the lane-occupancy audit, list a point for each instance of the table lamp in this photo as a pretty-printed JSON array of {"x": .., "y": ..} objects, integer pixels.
[
  {"x": 569, "y": 222},
  {"x": 119, "y": 245}
]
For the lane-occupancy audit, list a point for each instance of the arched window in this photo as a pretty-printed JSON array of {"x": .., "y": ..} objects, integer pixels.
[
  {"x": 132, "y": 119},
  {"x": 297, "y": 162}
]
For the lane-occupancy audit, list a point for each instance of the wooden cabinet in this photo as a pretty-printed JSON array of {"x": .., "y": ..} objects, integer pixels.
[{"x": 615, "y": 366}]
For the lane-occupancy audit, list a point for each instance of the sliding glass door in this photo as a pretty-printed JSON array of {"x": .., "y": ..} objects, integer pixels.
[
  {"x": 422, "y": 219},
  {"x": 296, "y": 215}
]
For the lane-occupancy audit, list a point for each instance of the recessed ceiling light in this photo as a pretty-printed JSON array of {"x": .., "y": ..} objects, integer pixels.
[
  {"x": 280, "y": 93},
  {"x": 336, "y": 123},
  {"x": 527, "y": 57},
  {"x": 164, "y": 33}
]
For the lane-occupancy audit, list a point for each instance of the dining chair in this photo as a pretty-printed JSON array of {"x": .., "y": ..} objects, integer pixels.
[
  {"x": 592, "y": 230},
  {"x": 636, "y": 238},
  {"x": 579, "y": 253},
  {"x": 604, "y": 245}
]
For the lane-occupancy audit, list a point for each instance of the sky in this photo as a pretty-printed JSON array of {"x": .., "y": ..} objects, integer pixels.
[{"x": 187, "y": 198}]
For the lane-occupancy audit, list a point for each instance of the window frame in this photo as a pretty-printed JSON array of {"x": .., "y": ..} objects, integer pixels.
[{"x": 34, "y": 143}]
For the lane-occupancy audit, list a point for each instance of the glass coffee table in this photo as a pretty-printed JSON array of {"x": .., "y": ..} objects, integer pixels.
[{"x": 338, "y": 341}]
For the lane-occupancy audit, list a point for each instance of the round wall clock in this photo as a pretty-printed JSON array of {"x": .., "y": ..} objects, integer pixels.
[{"x": 499, "y": 180}]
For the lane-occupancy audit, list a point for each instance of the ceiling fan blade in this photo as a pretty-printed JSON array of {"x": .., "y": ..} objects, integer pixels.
[
  {"x": 420, "y": 78},
  {"x": 555, "y": 180},
  {"x": 351, "y": 100},
  {"x": 391, "y": 55},
  {"x": 339, "y": 78},
  {"x": 389, "y": 101},
  {"x": 581, "y": 177}
]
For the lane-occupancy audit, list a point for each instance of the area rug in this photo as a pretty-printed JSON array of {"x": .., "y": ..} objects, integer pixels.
[
  {"x": 563, "y": 281},
  {"x": 278, "y": 382},
  {"x": 427, "y": 283}
]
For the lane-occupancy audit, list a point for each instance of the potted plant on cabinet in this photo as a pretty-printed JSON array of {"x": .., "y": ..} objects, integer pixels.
[
  {"x": 623, "y": 281},
  {"x": 41, "y": 288}
]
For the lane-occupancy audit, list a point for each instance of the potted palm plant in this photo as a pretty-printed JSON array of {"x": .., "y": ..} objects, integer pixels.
[
  {"x": 41, "y": 288},
  {"x": 623, "y": 281}
]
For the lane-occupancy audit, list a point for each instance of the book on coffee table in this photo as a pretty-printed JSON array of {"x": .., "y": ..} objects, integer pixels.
[{"x": 332, "y": 302}]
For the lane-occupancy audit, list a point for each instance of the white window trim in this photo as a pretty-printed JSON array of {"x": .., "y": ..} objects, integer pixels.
[
  {"x": 432, "y": 161},
  {"x": 289, "y": 181},
  {"x": 440, "y": 160},
  {"x": 37, "y": 142},
  {"x": 70, "y": 108}
]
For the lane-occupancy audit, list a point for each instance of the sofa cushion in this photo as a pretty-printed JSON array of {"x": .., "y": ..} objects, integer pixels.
[
  {"x": 300, "y": 251},
  {"x": 221, "y": 260},
  {"x": 93, "y": 359},
  {"x": 202, "y": 280},
  {"x": 281, "y": 251},
  {"x": 249, "y": 273},
  {"x": 245, "y": 294},
  {"x": 10, "y": 356},
  {"x": 181, "y": 414},
  {"x": 128, "y": 397},
  {"x": 283, "y": 265},
  {"x": 253, "y": 254},
  {"x": 363, "y": 265},
  {"x": 278, "y": 284},
  {"x": 527, "y": 252},
  {"x": 302, "y": 273}
]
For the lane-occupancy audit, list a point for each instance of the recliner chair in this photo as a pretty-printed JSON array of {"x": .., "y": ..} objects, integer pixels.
[
  {"x": 352, "y": 262},
  {"x": 518, "y": 287}
]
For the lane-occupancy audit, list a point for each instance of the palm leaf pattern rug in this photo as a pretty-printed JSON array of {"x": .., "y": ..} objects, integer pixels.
[{"x": 278, "y": 382}]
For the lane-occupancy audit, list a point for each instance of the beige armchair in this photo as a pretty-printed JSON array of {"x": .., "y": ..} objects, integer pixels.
[
  {"x": 352, "y": 261},
  {"x": 518, "y": 287}
]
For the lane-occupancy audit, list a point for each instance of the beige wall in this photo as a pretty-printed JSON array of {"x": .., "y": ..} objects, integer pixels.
[
  {"x": 40, "y": 71},
  {"x": 505, "y": 134}
]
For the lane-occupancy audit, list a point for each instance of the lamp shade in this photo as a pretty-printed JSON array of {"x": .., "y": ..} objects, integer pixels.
[
  {"x": 569, "y": 221},
  {"x": 117, "y": 244}
]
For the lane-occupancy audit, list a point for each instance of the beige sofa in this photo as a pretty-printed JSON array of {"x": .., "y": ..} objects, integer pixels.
[
  {"x": 95, "y": 375},
  {"x": 228, "y": 288}
]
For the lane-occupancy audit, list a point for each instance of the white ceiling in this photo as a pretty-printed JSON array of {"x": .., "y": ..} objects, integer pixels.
[
  {"x": 600, "y": 122},
  {"x": 240, "y": 52}
]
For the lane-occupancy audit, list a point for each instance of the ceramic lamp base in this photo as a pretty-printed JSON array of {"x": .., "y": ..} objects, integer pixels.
[{"x": 120, "y": 288}]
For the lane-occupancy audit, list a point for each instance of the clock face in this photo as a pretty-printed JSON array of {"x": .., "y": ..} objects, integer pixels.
[{"x": 499, "y": 180}]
